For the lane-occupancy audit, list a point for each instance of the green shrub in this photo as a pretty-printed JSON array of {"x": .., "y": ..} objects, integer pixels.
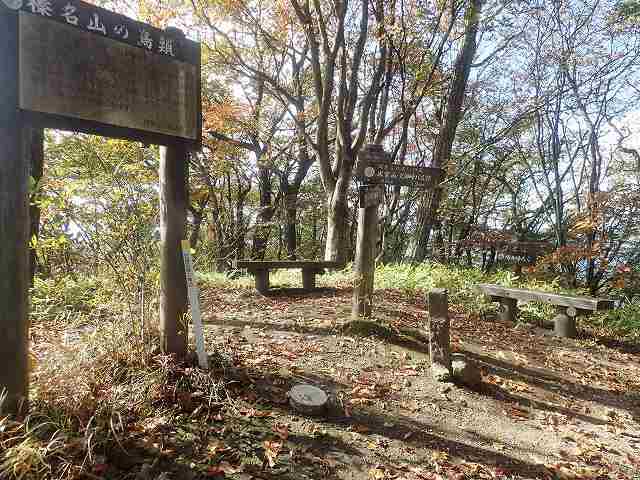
[
  {"x": 624, "y": 320},
  {"x": 69, "y": 300}
]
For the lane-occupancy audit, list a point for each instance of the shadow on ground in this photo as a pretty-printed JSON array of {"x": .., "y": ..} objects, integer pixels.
[
  {"x": 420, "y": 438},
  {"x": 558, "y": 385}
]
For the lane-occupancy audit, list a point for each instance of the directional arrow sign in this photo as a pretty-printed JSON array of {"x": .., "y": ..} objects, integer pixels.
[{"x": 404, "y": 175}]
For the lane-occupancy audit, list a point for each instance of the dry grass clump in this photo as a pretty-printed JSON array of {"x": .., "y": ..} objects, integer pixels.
[{"x": 91, "y": 396}]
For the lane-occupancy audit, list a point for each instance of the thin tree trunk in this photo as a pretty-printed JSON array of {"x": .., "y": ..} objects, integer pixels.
[
  {"x": 265, "y": 214},
  {"x": 428, "y": 211},
  {"x": 290, "y": 234}
]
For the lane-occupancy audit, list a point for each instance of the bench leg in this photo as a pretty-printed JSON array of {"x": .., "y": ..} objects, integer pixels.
[
  {"x": 508, "y": 310},
  {"x": 308, "y": 279},
  {"x": 262, "y": 281},
  {"x": 565, "y": 325}
]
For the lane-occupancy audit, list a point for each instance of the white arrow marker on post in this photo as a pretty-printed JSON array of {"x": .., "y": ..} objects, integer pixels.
[{"x": 194, "y": 301}]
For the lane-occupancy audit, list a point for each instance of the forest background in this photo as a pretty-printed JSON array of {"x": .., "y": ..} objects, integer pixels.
[{"x": 529, "y": 107}]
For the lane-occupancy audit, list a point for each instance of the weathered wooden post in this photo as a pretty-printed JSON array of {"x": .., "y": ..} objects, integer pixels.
[
  {"x": 370, "y": 197},
  {"x": 364, "y": 264},
  {"x": 439, "y": 338},
  {"x": 374, "y": 169},
  {"x": 14, "y": 226},
  {"x": 33, "y": 141},
  {"x": 173, "y": 214}
]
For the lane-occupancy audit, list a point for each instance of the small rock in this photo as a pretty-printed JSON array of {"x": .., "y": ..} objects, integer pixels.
[
  {"x": 407, "y": 383},
  {"x": 465, "y": 371},
  {"x": 440, "y": 373}
]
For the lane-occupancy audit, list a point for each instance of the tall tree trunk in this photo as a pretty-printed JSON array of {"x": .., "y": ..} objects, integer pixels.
[
  {"x": 240, "y": 230},
  {"x": 292, "y": 190},
  {"x": 429, "y": 206},
  {"x": 337, "y": 224}
]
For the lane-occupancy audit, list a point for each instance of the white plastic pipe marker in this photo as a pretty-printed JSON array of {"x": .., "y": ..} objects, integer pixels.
[{"x": 194, "y": 301}]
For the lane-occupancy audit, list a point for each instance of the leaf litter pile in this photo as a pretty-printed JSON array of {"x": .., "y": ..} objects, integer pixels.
[{"x": 548, "y": 408}]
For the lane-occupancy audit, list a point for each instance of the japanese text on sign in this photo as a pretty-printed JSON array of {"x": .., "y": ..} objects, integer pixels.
[{"x": 99, "y": 21}]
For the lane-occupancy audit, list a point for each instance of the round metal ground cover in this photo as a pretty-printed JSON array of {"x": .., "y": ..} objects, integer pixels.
[{"x": 308, "y": 400}]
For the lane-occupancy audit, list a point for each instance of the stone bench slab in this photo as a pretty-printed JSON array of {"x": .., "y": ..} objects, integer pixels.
[{"x": 579, "y": 303}]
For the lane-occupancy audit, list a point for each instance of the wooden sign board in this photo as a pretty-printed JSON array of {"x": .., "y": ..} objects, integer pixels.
[
  {"x": 84, "y": 68},
  {"x": 404, "y": 175}
]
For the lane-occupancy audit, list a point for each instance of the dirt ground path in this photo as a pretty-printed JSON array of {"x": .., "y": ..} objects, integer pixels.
[{"x": 548, "y": 407}]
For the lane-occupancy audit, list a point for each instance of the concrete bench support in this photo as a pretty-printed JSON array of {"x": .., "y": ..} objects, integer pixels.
[
  {"x": 262, "y": 281},
  {"x": 565, "y": 322},
  {"x": 310, "y": 268},
  {"x": 508, "y": 309},
  {"x": 567, "y": 306},
  {"x": 309, "y": 279}
]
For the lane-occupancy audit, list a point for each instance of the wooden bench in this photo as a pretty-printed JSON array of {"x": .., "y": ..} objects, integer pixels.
[
  {"x": 260, "y": 270},
  {"x": 568, "y": 307}
]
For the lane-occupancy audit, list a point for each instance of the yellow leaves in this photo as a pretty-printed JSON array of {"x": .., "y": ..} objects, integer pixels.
[
  {"x": 217, "y": 447},
  {"x": 439, "y": 456},
  {"x": 376, "y": 474},
  {"x": 224, "y": 9},
  {"x": 33, "y": 360},
  {"x": 200, "y": 195},
  {"x": 584, "y": 227},
  {"x": 271, "y": 450}
]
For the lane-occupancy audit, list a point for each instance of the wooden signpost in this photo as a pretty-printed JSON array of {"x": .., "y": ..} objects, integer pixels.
[
  {"x": 374, "y": 170},
  {"x": 69, "y": 65},
  {"x": 385, "y": 173}
]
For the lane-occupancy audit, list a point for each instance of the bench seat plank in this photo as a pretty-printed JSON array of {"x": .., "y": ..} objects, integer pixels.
[
  {"x": 254, "y": 265},
  {"x": 579, "y": 303}
]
